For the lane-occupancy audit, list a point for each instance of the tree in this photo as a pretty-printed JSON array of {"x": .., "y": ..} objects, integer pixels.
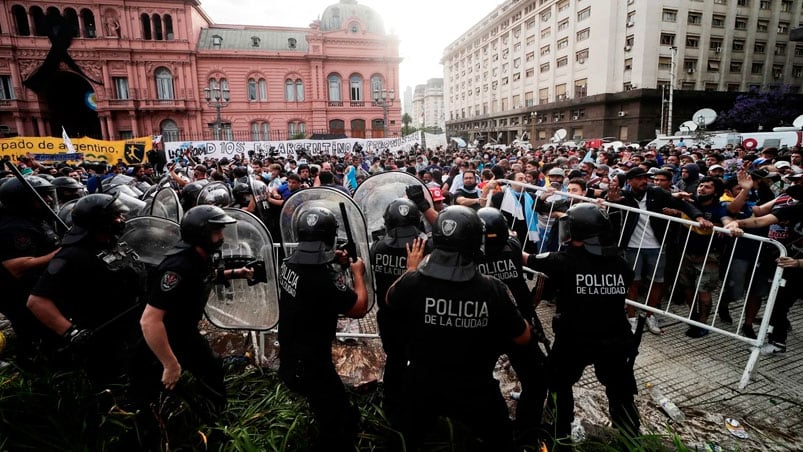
[
  {"x": 774, "y": 107},
  {"x": 406, "y": 120}
]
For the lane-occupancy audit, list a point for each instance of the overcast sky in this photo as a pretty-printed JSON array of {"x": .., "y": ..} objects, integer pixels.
[{"x": 424, "y": 27}]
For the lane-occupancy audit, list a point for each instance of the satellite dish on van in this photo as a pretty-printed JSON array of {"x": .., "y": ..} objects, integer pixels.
[
  {"x": 688, "y": 126},
  {"x": 561, "y": 134},
  {"x": 704, "y": 116},
  {"x": 798, "y": 122}
]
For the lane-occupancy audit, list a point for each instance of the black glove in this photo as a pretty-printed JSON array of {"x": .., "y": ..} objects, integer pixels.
[
  {"x": 260, "y": 274},
  {"x": 416, "y": 194},
  {"x": 77, "y": 336}
]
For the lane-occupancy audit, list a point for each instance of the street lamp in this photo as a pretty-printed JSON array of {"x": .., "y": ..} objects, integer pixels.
[
  {"x": 217, "y": 98},
  {"x": 384, "y": 98}
]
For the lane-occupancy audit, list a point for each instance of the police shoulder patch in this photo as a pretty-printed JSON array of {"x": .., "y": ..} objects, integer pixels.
[
  {"x": 170, "y": 280},
  {"x": 340, "y": 281}
]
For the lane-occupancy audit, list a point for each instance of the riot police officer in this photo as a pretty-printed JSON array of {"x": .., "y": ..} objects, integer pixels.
[
  {"x": 457, "y": 322},
  {"x": 27, "y": 244},
  {"x": 178, "y": 296},
  {"x": 101, "y": 323},
  {"x": 67, "y": 188},
  {"x": 502, "y": 259},
  {"x": 314, "y": 292},
  {"x": 590, "y": 325},
  {"x": 389, "y": 261}
]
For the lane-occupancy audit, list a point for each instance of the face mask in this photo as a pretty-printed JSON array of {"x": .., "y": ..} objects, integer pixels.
[
  {"x": 603, "y": 186},
  {"x": 266, "y": 176}
]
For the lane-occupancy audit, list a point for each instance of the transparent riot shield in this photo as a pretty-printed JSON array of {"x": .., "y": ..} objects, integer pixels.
[
  {"x": 216, "y": 194},
  {"x": 259, "y": 190},
  {"x": 244, "y": 305},
  {"x": 164, "y": 204},
  {"x": 379, "y": 190},
  {"x": 65, "y": 213},
  {"x": 122, "y": 180},
  {"x": 136, "y": 206},
  {"x": 331, "y": 199},
  {"x": 151, "y": 238}
]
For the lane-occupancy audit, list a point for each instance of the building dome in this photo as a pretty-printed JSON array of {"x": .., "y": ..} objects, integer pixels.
[{"x": 341, "y": 16}]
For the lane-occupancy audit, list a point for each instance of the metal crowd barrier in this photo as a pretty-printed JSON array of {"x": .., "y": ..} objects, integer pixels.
[{"x": 672, "y": 311}]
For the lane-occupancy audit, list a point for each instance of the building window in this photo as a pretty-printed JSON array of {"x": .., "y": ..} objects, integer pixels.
[
  {"x": 582, "y": 35},
  {"x": 584, "y": 14},
  {"x": 715, "y": 44},
  {"x": 670, "y": 15},
  {"x": 740, "y": 23},
  {"x": 546, "y": 32},
  {"x": 169, "y": 130},
  {"x": 628, "y": 64},
  {"x": 563, "y": 6},
  {"x": 629, "y": 40},
  {"x": 783, "y": 28},
  {"x": 733, "y": 87},
  {"x": 544, "y": 68},
  {"x": 581, "y": 88},
  {"x": 255, "y": 41},
  {"x": 561, "y": 62},
  {"x": 692, "y": 42},
  {"x": 563, "y": 43},
  {"x": 581, "y": 56},
  {"x": 713, "y": 65},
  {"x": 690, "y": 66},
  {"x": 262, "y": 86},
  {"x": 667, "y": 39},
  {"x": 664, "y": 63},
  {"x": 695, "y": 18},
  {"x": 786, "y": 6},
  {"x": 21, "y": 20},
  {"x": 299, "y": 90},
  {"x": 736, "y": 67},
  {"x": 762, "y": 26},
  {"x": 780, "y": 48},
  {"x": 757, "y": 68},
  {"x": 718, "y": 21},
  {"x": 355, "y": 84},
  {"x": 334, "y": 88},
  {"x": 738, "y": 45},
  {"x": 543, "y": 96},
  {"x": 6, "y": 88},
  {"x": 145, "y": 21},
  {"x": 742, "y": 2},
  {"x": 252, "y": 90},
  {"x": 760, "y": 47},
  {"x": 164, "y": 84},
  {"x": 797, "y": 71},
  {"x": 545, "y": 50},
  {"x": 217, "y": 42},
  {"x": 545, "y": 16},
  {"x": 564, "y": 24},
  {"x": 120, "y": 88},
  {"x": 777, "y": 71},
  {"x": 291, "y": 43},
  {"x": 289, "y": 90},
  {"x": 711, "y": 86},
  {"x": 560, "y": 92},
  {"x": 260, "y": 131},
  {"x": 296, "y": 129},
  {"x": 765, "y": 4}
]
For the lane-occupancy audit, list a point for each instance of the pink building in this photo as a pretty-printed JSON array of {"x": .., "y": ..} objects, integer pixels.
[{"x": 123, "y": 69}]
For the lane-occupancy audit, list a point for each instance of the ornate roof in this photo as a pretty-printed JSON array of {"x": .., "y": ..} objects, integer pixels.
[{"x": 340, "y": 15}]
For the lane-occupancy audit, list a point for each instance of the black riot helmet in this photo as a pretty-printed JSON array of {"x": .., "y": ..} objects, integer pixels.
[
  {"x": 190, "y": 192},
  {"x": 316, "y": 229},
  {"x": 402, "y": 220},
  {"x": 457, "y": 228},
  {"x": 17, "y": 197},
  {"x": 97, "y": 213},
  {"x": 67, "y": 188},
  {"x": 589, "y": 224},
  {"x": 200, "y": 222},
  {"x": 496, "y": 231}
]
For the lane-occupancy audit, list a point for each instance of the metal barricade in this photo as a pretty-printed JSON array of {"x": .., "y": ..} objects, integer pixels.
[{"x": 706, "y": 263}]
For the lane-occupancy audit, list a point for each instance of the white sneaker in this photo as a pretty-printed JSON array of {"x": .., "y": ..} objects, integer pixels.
[
  {"x": 652, "y": 325},
  {"x": 772, "y": 348},
  {"x": 633, "y": 324}
]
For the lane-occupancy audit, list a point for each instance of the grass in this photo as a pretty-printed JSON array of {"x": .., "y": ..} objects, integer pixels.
[{"x": 61, "y": 413}]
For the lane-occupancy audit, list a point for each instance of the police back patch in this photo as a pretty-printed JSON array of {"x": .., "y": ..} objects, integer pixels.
[{"x": 169, "y": 281}]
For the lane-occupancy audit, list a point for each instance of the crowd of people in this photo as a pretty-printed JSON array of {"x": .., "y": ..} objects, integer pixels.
[{"x": 448, "y": 305}]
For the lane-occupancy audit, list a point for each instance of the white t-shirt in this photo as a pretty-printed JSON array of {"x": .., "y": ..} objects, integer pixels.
[{"x": 643, "y": 229}]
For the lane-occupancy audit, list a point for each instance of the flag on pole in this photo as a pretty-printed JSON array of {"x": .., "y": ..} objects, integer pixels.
[{"x": 66, "y": 139}]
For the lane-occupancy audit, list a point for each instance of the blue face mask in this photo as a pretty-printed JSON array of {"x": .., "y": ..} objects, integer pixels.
[{"x": 266, "y": 176}]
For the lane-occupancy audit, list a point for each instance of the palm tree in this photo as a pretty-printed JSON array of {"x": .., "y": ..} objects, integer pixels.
[{"x": 406, "y": 120}]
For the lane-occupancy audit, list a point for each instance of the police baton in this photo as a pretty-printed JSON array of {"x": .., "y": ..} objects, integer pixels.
[
  {"x": 642, "y": 318},
  {"x": 349, "y": 246},
  {"x": 13, "y": 168}
]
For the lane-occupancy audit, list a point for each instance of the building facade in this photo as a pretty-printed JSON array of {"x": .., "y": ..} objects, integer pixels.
[
  {"x": 604, "y": 69},
  {"x": 428, "y": 106},
  {"x": 120, "y": 70}
]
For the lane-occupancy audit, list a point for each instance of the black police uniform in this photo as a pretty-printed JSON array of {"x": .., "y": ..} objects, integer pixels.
[
  {"x": 311, "y": 299},
  {"x": 107, "y": 307},
  {"x": 590, "y": 327},
  {"x": 389, "y": 262},
  {"x": 527, "y": 360},
  {"x": 21, "y": 237},
  {"x": 455, "y": 332},
  {"x": 181, "y": 288}
]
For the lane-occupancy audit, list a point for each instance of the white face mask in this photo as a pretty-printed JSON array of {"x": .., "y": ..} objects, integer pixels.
[{"x": 603, "y": 186}]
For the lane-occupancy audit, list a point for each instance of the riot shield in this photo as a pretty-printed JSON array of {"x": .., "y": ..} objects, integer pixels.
[
  {"x": 244, "y": 305},
  {"x": 216, "y": 194},
  {"x": 259, "y": 190},
  {"x": 136, "y": 206},
  {"x": 151, "y": 238},
  {"x": 122, "y": 180},
  {"x": 379, "y": 190},
  {"x": 164, "y": 204},
  {"x": 65, "y": 213},
  {"x": 329, "y": 198}
]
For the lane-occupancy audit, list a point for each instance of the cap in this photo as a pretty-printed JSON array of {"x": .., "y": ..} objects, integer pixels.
[
  {"x": 759, "y": 161},
  {"x": 782, "y": 164},
  {"x": 759, "y": 174},
  {"x": 302, "y": 161},
  {"x": 715, "y": 167},
  {"x": 437, "y": 194},
  {"x": 637, "y": 172},
  {"x": 556, "y": 172}
]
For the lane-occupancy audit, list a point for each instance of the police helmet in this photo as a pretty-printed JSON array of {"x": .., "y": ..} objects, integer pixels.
[
  {"x": 18, "y": 197},
  {"x": 457, "y": 228},
  {"x": 240, "y": 192},
  {"x": 67, "y": 188},
  {"x": 46, "y": 177},
  {"x": 316, "y": 229},
  {"x": 200, "y": 222},
  {"x": 402, "y": 219},
  {"x": 496, "y": 230},
  {"x": 95, "y": 213},
  {"x": 588, "y": 223},
  {"x": 190, "y": 192},
  {"x": 216, "y": 194}
]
